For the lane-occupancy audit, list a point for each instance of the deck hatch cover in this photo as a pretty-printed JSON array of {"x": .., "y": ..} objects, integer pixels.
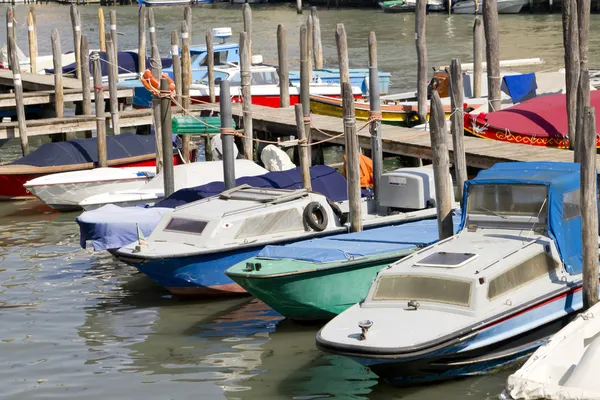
[
  {"x": 444, "y": 259},
  {"x": 262, "y": 195}
]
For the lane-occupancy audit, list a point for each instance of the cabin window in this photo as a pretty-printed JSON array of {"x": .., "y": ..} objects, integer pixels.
[
  {"x": 423, "y": 288},
  {"x": 265, "y": 78},
  {"x": 571, "y": 207},
  {"x": 508, "y": 199},
  {"x": 536, "y": 267},
  {"x": 185, "y": 225},
  {"x": 280, "y": 221}
]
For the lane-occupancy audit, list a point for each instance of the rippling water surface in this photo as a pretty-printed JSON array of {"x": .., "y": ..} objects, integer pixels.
[{"x": 75, "y": 324}]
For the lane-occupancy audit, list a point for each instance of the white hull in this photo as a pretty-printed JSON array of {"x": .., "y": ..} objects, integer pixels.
[
  {"x": 64, "y": 191},
  {"x": 504, "y": 7},
  {"x": 321, "y": 89}
]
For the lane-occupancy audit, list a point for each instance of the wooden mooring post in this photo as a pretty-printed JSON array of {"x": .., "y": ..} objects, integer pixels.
[
  {"x": 112, "y": 85},
  {"x": 309, "y": 32},
  {"x": 187, "y": 17},
  {"x": 303, "y": 147},
  {"x": 76, "y": 24},
  {"x": 375, "y": 116},
  {"x": 101, "y": 29},
  {"x": 246, "y": 95},
  {"x": 18, "y": 88},
  {"x": 490, "y": 22},
  {"x": 32, "y": 36},
  {"x": 176, "y": 64},
  {"x": 156, "y": 66},
  {"x": 441, "y": 166},
  {"x": 58, "y": 77},
  {"x": 351, "y": 139},
  {"x": 247, "y": 12},
  {"x": 113, "y": 30},
  {"x": 142, "y": 39},
  {"x": 282, "y": 55},
  {"x": 186, "y": 81},
  {"x": 571, "y": 46},
  {"x": 165, "y": 108},
  {"x": 583, "y": 90},
  {"x": 317, "y": 44},
  {"x": 305, "y": 85},
  {"x": 86, "y": 103},
  {"x": 420, "y": 39},
  {"x": 477, "y": 56},
  {"x": 100, "y": 106},
  {"x": 210, "y": 65},
  {"x": 299, "y": 6},
  {"x": 227, "y": 142},
  {"x": 11, "y": 29},
  {"x": 458, "y": 124}
]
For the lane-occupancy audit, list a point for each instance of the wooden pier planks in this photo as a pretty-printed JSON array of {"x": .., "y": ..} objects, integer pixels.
[
  {"x": 36, "y": 82},
  {"x": 7, "y": 100}
]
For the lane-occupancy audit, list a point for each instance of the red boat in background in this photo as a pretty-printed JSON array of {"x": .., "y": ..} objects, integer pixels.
[
  {"x": 541, "y": 121},
  {"x": 125, "y": 150}
]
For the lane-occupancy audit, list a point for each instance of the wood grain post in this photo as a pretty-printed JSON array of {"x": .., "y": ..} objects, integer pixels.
[
  {"x": 186, "y": 81},
  {"x": 100, "y": 118},
  {"x": 571, "y": 46},
  {"x": 210, "y": 65},
  {"x": 167, "y": 142},
  {"x": 76, "y": 24},
  {"x": 317, "y": 44},
  {"x": 142, "y": 39},
  {"x": 583, "y": 101},
  {"x": 152, "y": 32},
  {"x": 246, "y": 95},
  {"x": 101, "y": 29},
  {"x": 156, "y": 66},
  {"x": 441, "y": 166},
  {"x": 187, "y": 17},
  {"x": 458, "y": 124},
  {"x": 86, "y": 102},
  {"x": 350, "y": 136},
  {"x": 176, "y": 64},
  {"x": 282, "y": 53},
  {"x": 490, "y": 23},
  {"x": 299, "y": 6},
  {"x": 305, "y": 85},
  {"x": 248, "y": 26},
  {"x": 58, "y": 77},
  {"x": 421, "y": 44},
  {"x": 32, "y": 36},
  {"x": 309, "y": 32},
  {"x": 477, "y": 56},
  {"x": 10, "y": 24},
  {"x": 113, "y": 31},
  {"x": 18, "y": 87},
  {"x": 302, "y": 147},
  {"x": 375, "y": 113},
  {"x": 227, "y": 142},
  {"x": 589, "y": 209},
  {"x": 112, "y": 85},
  {"x": 583, "y": 91}
]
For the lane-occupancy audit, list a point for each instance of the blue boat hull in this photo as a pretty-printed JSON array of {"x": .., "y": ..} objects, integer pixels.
[{"x": 358, "y": 78}]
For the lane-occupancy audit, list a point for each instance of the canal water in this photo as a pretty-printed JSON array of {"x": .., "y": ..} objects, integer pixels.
[{"x": 78, "y": 324}]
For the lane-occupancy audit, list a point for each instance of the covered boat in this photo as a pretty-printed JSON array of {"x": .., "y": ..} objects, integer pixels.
[
  {"x": 541, "y": 121},
  {"x": 481, "y": 299},
  {"x": 504, "y": 6},
  {"x": 124, "y": 150}
]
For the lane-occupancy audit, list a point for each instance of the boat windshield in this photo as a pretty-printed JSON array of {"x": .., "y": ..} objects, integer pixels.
[
  {"x": 508, "y": 199},
  {"x": 423, "y": 288},
  {"x": 184, "y": 225}
]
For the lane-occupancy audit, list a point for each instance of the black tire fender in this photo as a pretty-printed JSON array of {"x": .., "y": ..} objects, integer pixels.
[{"x": 315, "y": 216}]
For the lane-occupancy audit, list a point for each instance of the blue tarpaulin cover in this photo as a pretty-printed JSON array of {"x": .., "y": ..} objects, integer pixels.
[
  {"x": 128, "y": 63},
  {"x": 561, "y": 178},
  {"x": 81, "y": 151},
  {"x": 359, "y": 244},
  {"x": 521, "y": 87}
]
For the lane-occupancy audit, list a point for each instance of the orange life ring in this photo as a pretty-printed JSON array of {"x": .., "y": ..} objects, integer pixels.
[{"x": 152, "y": 84}]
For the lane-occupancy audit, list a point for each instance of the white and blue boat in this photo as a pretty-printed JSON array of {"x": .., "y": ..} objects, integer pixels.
[{"x": 483, "y": 298}]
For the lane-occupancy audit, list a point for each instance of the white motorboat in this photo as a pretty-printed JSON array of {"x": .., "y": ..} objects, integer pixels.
[
  {"x": 64, "y": 191},
  {"x": 565, "y": 368},
  {"x": 504, "y": 6},
  {"x": 185, "y": 176}
]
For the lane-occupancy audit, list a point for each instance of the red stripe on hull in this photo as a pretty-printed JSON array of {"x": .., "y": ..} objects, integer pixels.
[
  {"x": 211, "y": 291},
  {"x": 263, "y": 100}
]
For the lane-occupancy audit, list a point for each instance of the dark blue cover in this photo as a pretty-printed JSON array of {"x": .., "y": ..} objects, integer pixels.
[
  {"x": 81, "y": 151},
  {"x": 521, "y": 87},
  {"x": 324, "y": 179},
  {"x": 128, "y": 62}
]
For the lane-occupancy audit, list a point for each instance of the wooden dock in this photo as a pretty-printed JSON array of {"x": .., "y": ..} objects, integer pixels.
[
  {"x": 37, "y": 82},
  {"x": 7, "y": 100}
]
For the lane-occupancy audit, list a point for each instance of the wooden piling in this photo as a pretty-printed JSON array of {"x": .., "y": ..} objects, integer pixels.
[
  {"x": 583, "y": 101},
  {"x": 282, "y": 53},
  {"x": 112, "y": 85},
  {"x": 248, "y": 26},
  {"x": 583, "y": 91},
  {"x": 18, "y": 88},
  {"x": 210, "y": 65},
  {"x": 571, "y": 46},
  {"x": 32, "y": 36},
  {"x": 305, "y": 84},
  {"x": 100, "y": 118},
  {"x": 10, "y": 24},
  {"x": 351, "y": 139},
  {"x": 113, "y": 31},
  {"x": 186, "y": 81},
  {"x": 492, "y": 54},
  {"x": 309, "y": 32},
  {"x": 86, "y": 103},
  {"x": 142, "y": 39},
  {"x": 227, "y": 142},
  {"x": 589, "y": 209},
  {"x": 76, "y": 24},
  {"x": 101, "y": 30},
  {"x": 165, "y": 107},
  {"x": 441, "y": 166},
  {"x": 176, "y": 64},
  {"x": 375, "y": 116},
  {"x": 303, "y": 147},
  {"x": 58, "y": 77},
  {"x": 458, "y": 124},
  {"x": 246, "y": 94},
  {"x": 299, "y": 6},
  {"x": 420, "y": 39},
  {"x": 156, "y": 66},
  {"x": 152, "y": 31},
  {"x": 317, "y": 44},
  {"x": 477, "y": 56}
]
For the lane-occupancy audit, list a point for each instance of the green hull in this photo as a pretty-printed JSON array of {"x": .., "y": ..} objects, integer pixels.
[{"x": 309, "y": 291}]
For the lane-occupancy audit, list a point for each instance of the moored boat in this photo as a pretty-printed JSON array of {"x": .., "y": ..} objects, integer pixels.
[
  {"x": 483, "y": 298},
  {"x": 398, "y": 6},
  {"x": 504, "y": 7}
]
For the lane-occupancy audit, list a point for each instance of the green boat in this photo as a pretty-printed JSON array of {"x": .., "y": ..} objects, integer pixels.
[{"x": 317, "y": 279}]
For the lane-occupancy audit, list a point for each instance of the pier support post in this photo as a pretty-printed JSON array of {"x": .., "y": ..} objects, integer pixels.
[
  {"x": 186, "y": 81},
  {"x": 309, "y": 32},
  {"x": 351, "y": 139},
  {"x": 375, "y": 117},
  {"x": 142, "y": 39},
  {"x": 32, "y": 35},
  {"x": 18, "y": 87},
  {"x": 490, "y": 22},
  {"x": 58, "y": 77},
  {"x": 420, "y": 38},
  {"x": 112, "y": 85},
  {"x": 441, "y": 166},
  {"x": 176, "y": 64},
  {"x": 156, "y": 66},
  {"x": 458, "y": 124},
  {"x": 246, "y": 95},
  {"x": 100, "y": 118},
  {"x": 76, "y": 23},
  {"x": 583, "y": 91},
  {"x": 11, "y": 29},
  {"x": 167, "y": 143},
  {"x": 305, "y": 85},
  {"x": 187, "y": 17},
  {"x": 282, "y": 53},
  {"x": 302, "y": 147},
  {"x": 101, "y": 29},
  {"x": 248, "y": 26},
  {"x": 227, "y": 135},
  {"x": 210, "y": 65},
  {"x": 317, "y": 44},
  {"x": 571, "y": 46},
  {"x": 86, "y": 103},
  {"x": 113, "y": 31},
  {"x": 477, "y": 56},
  {"x": 589, "y": 209},
  {"x": 299, "y": 6}
]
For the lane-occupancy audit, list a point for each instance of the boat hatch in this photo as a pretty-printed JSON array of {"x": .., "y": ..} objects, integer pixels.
[
  {"x": 185, "y": 225},
  {"x": 446, "y": 260},
  {"x": 262, "y": 195},
  {"x": 423, "y": 288}
]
